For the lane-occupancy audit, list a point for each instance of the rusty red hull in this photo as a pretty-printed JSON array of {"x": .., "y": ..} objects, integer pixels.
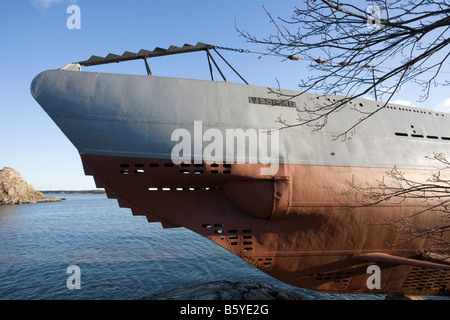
[{"x": 296, "y": 226}]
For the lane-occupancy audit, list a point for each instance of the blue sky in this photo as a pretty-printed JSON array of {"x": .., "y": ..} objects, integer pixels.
[{"x": 35, "y": 38}]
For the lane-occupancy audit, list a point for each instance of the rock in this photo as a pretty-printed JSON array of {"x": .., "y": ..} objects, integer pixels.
[
  {"x": 226, "y": 290},
  {"x": 403, "y": 297},
  {"x": 15, "y": 190}
]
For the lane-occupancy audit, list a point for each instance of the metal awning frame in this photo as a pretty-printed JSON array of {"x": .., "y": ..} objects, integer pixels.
[{"x": 158, "y": 52}]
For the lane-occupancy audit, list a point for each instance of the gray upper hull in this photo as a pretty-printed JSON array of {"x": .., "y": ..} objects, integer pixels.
[{"x": 132, "y": 115}]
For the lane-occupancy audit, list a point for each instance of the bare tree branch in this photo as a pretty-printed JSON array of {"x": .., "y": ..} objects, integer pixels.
[
  {"x": 396, "y": 188},
  {"x": 354, "y": 50}
]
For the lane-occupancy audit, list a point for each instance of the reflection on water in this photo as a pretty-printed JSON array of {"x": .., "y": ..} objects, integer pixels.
[{"x": 120, "y": 256}]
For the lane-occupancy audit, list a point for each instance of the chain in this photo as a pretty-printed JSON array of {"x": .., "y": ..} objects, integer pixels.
[
  {"x": 291, "y": 57},
  {"x": 232, "y": 49}
]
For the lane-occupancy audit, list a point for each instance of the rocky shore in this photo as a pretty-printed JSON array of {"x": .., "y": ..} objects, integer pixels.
[
  {"x": 15, "y": 190},
  {"x": 226, "y": 290}
]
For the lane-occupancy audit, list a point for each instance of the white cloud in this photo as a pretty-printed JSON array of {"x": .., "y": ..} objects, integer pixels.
[
  {"x": 444, "y": 105},
  {"x": 45, "y": 4},
  {"x": 402, "y": 102}
]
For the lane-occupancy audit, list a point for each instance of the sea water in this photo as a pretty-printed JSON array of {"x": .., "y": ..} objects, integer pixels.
[{"x": 118, "y": 255}]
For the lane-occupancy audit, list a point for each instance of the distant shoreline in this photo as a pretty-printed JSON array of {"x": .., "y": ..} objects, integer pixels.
[{"x": 74, "y": 191}]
